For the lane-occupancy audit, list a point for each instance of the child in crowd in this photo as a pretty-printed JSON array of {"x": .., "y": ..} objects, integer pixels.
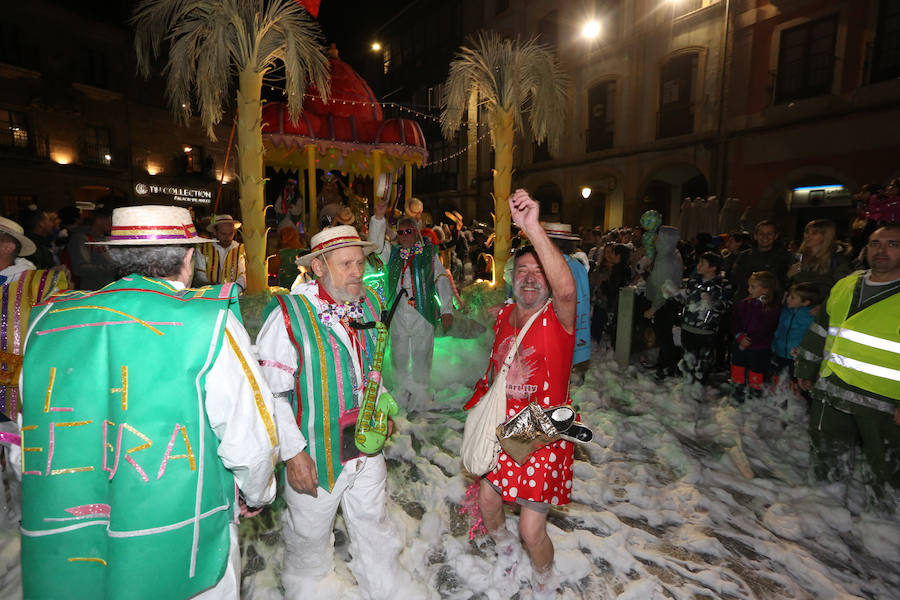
[
  {"x": 706, "y": 297},
  {"x": 754, "y": 322},
  {"x": 796, "y": 317}
]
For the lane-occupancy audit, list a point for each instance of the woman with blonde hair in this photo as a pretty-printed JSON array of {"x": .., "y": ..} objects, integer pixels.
[{"x": 819, "y": 261}]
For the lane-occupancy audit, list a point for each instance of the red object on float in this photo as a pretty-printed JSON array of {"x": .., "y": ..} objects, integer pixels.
[
  {"x": 311, "y": 6},
  {"x": 350, "y": 121}
]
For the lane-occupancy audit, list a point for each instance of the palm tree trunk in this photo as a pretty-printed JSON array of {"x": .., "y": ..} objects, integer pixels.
[
  {"x": 252, "y": 178},
  {"x": 503, "y": 156}
]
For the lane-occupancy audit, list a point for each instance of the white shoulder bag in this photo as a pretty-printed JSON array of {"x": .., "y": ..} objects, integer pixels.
[{"x": 480, "y": 447}]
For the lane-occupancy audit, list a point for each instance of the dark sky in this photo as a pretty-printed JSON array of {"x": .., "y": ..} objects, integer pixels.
[{"x": 348, "y": 23}]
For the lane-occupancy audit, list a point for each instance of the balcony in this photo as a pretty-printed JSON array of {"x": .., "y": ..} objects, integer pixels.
[
  {"x": 20, "y": 142},
  {"x": 598, "y": 139},
  {"x": 674, "y": 121}
]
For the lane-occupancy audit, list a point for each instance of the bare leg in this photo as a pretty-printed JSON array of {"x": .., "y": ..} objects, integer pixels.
[
  {"x": 533, "y": 530},
  {"x": 490, "y": 503}
]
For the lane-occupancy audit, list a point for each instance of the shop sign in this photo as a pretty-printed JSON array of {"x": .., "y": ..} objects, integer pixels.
[{"x": 175, "y": 193}]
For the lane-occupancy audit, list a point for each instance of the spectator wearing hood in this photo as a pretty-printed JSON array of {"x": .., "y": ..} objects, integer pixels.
[{"x": 665, "y": 275}]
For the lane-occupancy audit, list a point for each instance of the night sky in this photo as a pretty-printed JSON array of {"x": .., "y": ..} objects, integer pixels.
[{"x": 351, "y": 24}]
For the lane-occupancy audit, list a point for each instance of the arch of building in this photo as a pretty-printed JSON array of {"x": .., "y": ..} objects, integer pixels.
[{"x": 665, "y": 188}]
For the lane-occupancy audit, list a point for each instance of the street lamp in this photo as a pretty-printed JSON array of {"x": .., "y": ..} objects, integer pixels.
[
  {"x": 591, "y": 30},
  {"x": 586, "y": 192},
  {"x": 376, "y": 46}
]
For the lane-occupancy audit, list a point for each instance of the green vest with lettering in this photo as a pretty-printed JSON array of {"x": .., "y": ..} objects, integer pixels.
[
  {"x": 323, "y": 385},
  {"x": 123, "y": 493},
  {"x": 863, "y": 350}
]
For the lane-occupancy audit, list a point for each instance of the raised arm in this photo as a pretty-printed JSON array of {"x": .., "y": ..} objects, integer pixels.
[{"x": 525, "y": 212}]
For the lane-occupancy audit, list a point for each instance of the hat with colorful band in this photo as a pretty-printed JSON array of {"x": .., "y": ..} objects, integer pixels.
[
  {"x": 333, "y": 238},
  {"x": 151, "y": 225}
]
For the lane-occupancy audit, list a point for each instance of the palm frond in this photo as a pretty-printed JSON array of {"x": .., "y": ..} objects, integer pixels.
[
  {"x": 210, "y": 41},
  {"x": 508, "y": 75}
]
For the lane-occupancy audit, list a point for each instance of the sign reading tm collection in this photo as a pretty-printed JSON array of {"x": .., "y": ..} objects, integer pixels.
[{"x": 176, "y": 194}]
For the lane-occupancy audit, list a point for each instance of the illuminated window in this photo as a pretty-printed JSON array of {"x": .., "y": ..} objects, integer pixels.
[
  {"x": 13, "y": 129},
  {"x": 97, "y": 149}
]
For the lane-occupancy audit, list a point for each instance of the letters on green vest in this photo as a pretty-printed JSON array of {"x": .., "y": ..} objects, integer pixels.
[
  {"x": 123, "y": 492},
  {"x": 422, "y": 268},
  {"x": 326, "y": 384},
  {"x": 859, "y": 348}
]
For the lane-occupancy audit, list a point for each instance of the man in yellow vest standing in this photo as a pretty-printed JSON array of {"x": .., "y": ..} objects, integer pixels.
[
  {"x": 221, "y": 261},
  {"x": 850, "y": 361}
]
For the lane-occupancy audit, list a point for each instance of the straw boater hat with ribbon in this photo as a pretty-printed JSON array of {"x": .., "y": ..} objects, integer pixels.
[
  {"x": 151, "y": 225},
  {"x": 414, "y": 208},
  {"x": 454, "y": 216},
  {"x": 12, "y": 228},
  {"x": 333, "y": 238},
  {"x": 345, "y": 216},
  {"x": 219, "y": 219},
  {"x": 560, "y": 231}
]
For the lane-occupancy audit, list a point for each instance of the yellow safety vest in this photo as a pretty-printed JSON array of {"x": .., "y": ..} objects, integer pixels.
[{"x": 863, "y": 350}]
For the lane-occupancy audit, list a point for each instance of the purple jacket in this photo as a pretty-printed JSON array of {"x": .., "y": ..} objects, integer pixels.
[{"x": 751, "y": 319}]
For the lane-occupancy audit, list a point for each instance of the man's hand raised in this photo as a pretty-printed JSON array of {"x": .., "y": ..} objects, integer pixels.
[{"x": 524, "y": 209}]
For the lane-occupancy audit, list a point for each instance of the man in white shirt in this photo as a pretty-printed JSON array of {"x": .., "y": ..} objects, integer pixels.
[
  {"x": 412, "y": 265},
  {"x": 161, "y": 380}
]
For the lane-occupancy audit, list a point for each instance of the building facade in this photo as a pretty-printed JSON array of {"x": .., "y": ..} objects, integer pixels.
[
  {"x": 784, "y": 105},
  {"x": 77, "y": 123}
]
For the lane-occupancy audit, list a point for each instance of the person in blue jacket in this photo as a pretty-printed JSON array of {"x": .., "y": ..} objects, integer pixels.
[{"x": 796, "y": 317}]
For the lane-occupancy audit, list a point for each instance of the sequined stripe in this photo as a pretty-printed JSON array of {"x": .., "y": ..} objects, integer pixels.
[
  {"x": 335, "y": 352},
  {"x": 290, "y": 331},
  {"x": 17, "y": 325},
  {"x": 40, "y": 291},
  {"x": 257, "y": 393},
  {"x": 326, "y": 401},
  {"x": 231, "y": 265},
  {"x": 4, "y": 317},
  {"x": 199, "y": 382},
  {"x": 308, "y": 368}
]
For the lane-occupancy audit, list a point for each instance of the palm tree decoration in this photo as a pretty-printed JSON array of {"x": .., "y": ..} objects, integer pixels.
[
  {"x": 511, "y": 78},
  {"x": 211, "y": 41}
]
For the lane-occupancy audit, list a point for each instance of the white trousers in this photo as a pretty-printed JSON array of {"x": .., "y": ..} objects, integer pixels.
[
  {"x": 412, "y": 347},
  {"x": 374, "y": 544}
]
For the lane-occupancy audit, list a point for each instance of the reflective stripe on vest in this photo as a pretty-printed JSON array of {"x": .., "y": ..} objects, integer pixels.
[{"x": 864, "y": 348}]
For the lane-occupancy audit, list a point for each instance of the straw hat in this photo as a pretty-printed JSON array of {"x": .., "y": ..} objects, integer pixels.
[
  {"x": 151, "y": 225},
  {"x": 12, "y": 228},
  {"x": 345, "y": 216},
  {"x": 454, "y": 216},
  {"x": 414, "y": 207},
  {"x": 560, "y": 231},
  {"x": 333, "y": 238},
  {"x": 219, "y": 219}
]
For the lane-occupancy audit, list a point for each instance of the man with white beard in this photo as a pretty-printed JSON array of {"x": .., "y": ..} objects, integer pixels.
[{"x": 309, "y": 349}]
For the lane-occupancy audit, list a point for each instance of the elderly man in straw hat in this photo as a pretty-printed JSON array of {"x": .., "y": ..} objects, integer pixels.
[
  {"x": 224, "y": 260},
  {"x": 413, "y": 265},
  {"x": 143, "y": 415},
  {"x": 23, "y": 286},
  {"x": 310, "y": 351}
]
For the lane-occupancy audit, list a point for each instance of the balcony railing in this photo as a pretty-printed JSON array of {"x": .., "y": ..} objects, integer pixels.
[
  {"x": 24, "y": 143},
  {"x": 598, "y": 139},
  {"x": 674, "y": 121}
]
